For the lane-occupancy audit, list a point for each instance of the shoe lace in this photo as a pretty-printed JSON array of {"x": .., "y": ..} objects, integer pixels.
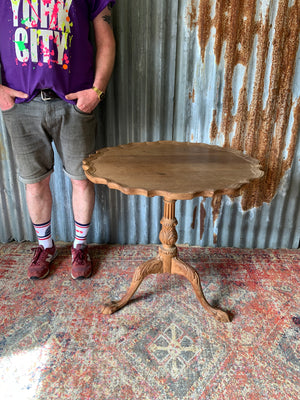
[
  {"x": 38, "y": 255},
  {"x": 79, "y": 257}
]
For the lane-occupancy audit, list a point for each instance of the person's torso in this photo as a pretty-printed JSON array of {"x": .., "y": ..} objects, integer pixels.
[{"x": 45, "y": 44}]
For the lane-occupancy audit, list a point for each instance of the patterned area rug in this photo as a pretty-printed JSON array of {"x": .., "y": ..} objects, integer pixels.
[{"x": 54, "y": 343}]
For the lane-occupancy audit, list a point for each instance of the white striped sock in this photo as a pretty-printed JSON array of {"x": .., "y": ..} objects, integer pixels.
[
  {"x": 81, "y": 232},
  {"x": 43, "y": 232}
]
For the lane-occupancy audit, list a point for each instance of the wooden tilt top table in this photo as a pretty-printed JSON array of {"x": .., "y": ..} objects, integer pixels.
[{"x": 175, "y": 171}]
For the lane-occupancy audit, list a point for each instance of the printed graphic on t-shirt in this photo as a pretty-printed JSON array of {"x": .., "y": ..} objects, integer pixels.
[{"x": 42, "y": 31}]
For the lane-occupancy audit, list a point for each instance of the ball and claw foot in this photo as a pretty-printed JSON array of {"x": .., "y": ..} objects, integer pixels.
[
  {"x": 153, "y": 266},
  {"x": 221, "y": 316},
  {"x": 108, "y": 309}
]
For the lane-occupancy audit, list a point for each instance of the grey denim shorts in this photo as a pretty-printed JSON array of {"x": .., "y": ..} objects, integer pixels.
[{"x": 33, "y": 126}]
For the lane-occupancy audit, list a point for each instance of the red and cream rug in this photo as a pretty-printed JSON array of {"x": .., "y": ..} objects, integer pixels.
[{"x": 54, "y": 343}]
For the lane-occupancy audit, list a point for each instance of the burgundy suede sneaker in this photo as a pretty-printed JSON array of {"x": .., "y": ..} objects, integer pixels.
[
  {"x": 40, "y": 264},
  {"x": 81, "y": 262}
]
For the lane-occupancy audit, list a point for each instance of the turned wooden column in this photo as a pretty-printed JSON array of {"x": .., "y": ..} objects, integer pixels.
[{"x": 168, "y": 235}]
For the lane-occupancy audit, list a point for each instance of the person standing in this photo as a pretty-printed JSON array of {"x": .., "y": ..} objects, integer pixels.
[{"x": 52, "y": 82}]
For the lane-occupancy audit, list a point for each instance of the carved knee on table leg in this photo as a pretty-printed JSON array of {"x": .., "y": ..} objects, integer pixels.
[{"x": 153, "y": 266}]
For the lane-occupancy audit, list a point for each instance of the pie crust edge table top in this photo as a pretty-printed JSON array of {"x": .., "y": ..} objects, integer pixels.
[{"x": 176, "y": 171}]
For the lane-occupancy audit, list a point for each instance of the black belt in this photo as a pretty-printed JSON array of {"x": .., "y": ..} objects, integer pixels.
[{"x": 48, "y": 94}]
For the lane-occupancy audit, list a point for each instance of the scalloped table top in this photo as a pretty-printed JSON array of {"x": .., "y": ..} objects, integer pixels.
[{"x": 174, "y": 170}]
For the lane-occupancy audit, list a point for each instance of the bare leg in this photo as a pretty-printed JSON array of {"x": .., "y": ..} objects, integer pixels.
[
  {"x": 39, "y": 201},
  {"x": 154, "y": 266},
  {"x": 83, "y": 200}
]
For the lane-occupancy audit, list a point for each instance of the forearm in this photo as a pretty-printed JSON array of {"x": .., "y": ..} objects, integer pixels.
[
  {"x": 88, "y": 99},
  {"x": 105, "y": 59}
]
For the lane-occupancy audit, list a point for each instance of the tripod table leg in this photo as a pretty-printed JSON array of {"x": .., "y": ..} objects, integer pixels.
[
  {"x": 154, "y": 266},
  {"x": 181, "y": 268}
]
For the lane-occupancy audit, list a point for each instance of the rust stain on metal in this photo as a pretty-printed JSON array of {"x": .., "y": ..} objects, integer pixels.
[
  {"x": 192, "y": 96},
  {"x": 215, "y": 238},
  {"x": 192, "y": 15},
  {"x": 268, "y": 140},
  {"x": 239, "y": 35},
  {"x": 194, "y": 218},
  {"x": 214, "y": 126},
  {"x": 295, "y": 129},
  {"x": 216, "y": 206},
  {"x": 260, "y": 128},
  {"x": 204, "y": 23},
  {"x": 202, "y": 219}
]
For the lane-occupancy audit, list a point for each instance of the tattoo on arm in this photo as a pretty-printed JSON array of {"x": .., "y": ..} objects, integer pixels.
[{"x": 107, "y": 18}]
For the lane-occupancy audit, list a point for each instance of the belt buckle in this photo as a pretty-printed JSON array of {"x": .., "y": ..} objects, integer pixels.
[{"x": 44, "y": 96}]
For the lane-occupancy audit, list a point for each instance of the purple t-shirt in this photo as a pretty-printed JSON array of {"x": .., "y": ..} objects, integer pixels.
[{"x": 44, "y": 44}]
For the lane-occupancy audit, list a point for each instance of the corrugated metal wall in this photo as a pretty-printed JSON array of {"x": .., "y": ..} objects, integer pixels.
[{"x": 225, "y": 72}]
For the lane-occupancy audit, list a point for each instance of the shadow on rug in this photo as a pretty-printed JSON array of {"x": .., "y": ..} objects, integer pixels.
[{"x": 54, "y": 343}]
